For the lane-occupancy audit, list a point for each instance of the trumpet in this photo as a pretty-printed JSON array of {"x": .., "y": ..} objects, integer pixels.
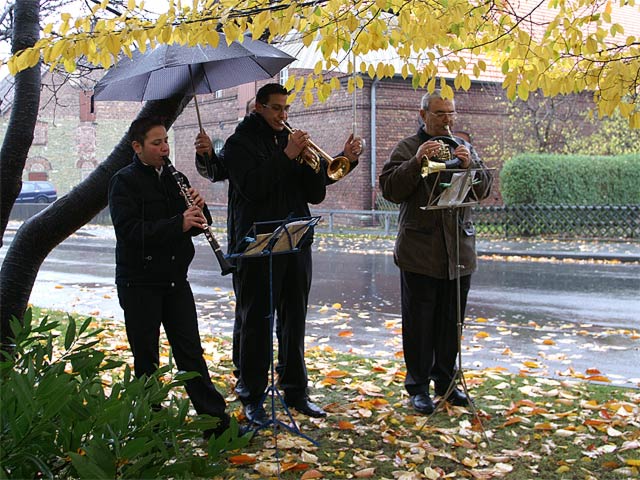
[
  {"x": 443, "y": 158},
  {"x": 336, "y": 167}
]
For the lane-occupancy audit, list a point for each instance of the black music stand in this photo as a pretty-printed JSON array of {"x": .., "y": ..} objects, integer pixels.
[
  {"x": 454, "y": 189},
  {"x": 279, "y": 238}
]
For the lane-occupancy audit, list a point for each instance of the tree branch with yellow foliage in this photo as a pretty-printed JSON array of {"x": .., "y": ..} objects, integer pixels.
[{"x": 556, "y": 46}]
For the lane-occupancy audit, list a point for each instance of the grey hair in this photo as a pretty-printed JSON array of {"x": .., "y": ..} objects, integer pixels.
[{"x": 428, "y": 97}]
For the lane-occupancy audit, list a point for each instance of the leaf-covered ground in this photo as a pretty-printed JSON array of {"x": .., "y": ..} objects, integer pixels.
[{"x": 523, "y": 426}]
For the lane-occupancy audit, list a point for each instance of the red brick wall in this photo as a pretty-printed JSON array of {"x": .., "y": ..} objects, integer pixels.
[
  {"x": 483, "y": 113},
  {"x": 330, "y": 123}
]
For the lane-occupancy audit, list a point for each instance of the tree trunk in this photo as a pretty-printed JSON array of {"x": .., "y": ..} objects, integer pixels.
[
  {"x": 41, "y": 233},
  {"x": 24, "y": 110}
]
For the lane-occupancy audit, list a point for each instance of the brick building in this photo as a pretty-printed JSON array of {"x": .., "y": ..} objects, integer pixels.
[
  {"x": 74, "y": 134},
  {"x": 385, "y": 112}
]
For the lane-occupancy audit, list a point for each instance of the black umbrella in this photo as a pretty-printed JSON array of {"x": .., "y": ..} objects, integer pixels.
[{"x": 168, "y": 70}]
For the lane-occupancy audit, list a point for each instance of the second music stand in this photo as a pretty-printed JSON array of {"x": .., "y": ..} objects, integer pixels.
[
  {"x": 282, "y": 237},
  {"x": 453, "y": 189}
]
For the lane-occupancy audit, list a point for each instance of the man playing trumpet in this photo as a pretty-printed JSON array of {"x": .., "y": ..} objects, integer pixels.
[
  {"x": 266, "y": 183},
  {"x": 426, "y": 253}
]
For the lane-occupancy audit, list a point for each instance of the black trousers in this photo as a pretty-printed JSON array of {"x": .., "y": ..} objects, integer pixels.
[
  {"x": 145, "y": 309},
  {"x": 429, "y": 329},
  {"x": 291, "y": 275}
]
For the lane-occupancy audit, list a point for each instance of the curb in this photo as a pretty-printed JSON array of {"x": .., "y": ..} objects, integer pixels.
[{"x": 627, "y": 258}]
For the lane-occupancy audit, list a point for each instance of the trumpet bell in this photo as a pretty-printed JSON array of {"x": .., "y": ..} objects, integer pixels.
[
  {"x": 429, "y": 167},
  {"x": 338, "y": 167}
]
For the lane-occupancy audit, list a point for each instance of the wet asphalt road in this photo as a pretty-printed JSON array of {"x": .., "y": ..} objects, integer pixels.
[{"x": 567, "y": 318}]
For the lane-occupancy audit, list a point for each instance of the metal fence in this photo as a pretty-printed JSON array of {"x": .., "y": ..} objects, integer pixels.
[{"x": 562, "y": 221}]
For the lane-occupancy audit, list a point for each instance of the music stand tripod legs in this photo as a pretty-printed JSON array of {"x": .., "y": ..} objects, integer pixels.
[
  {"x": 460, "y": 194},
  {"x": 459, "y": 373},
  {"x": 272, "y": 390},
  {"x": 283, "y": 240}
]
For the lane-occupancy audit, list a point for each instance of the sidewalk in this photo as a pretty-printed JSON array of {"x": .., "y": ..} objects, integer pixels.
[{"x": 575, "y": 249}]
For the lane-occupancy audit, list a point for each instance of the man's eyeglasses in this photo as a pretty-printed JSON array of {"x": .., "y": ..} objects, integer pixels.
[
  {"x": 277, "y": 108},
  {"x": 443, "y": 115}
]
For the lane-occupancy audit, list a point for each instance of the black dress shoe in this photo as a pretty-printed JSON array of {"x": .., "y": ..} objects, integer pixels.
[
  {"x": 456, "y": 397},
  {"x": 422, "y": 403},
  {"x": 304, "y": 406},
  {"x": 256, "y": 413}
]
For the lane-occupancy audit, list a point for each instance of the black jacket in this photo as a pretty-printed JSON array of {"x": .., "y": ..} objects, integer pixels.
[
  {"x": 264, "y": 184},
  {"x": 146, "y": 211}
]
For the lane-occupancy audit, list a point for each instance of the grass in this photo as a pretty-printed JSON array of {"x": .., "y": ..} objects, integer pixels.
[{"x": 524, "y": 427}]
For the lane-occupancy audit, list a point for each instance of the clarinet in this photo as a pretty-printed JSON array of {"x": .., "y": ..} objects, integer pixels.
[{"x": 225, "y": 266}]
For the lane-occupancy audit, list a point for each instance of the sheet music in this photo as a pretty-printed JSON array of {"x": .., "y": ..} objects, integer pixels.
[
  {"x": 458, "y": 189},
  {"x": 286, "y": 238}
]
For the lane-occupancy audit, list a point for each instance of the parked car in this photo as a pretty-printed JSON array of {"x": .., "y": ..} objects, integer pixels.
[{"x": 37, "y": 192}]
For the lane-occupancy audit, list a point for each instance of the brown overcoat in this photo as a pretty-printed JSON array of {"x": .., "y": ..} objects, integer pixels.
[{"x": 426, "y": 241}]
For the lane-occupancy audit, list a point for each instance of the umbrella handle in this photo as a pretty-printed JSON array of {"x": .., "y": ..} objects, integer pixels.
[{"x": 195, "y": 100}]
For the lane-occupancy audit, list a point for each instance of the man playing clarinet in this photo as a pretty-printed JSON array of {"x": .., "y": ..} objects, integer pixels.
[{"x": 154, "y": 225}]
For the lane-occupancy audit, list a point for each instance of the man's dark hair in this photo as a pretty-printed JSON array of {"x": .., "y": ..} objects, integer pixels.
[
  {"x": 262, "y": 96},
  {"x": 139, "y": 128}
]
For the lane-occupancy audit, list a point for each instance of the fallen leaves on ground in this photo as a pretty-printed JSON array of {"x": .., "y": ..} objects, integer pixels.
[{"x": 521, "y": 426}]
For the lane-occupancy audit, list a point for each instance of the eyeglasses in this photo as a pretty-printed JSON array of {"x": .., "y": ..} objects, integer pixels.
[
  {"x": 442, "y": 115},
  {"x": 277, "y": 108}
]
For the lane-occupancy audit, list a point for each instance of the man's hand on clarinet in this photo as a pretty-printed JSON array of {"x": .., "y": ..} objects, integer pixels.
[
  {"x": 193, "y": 218},
  {"x": 203, "y": 144},
  {"x": 196, "y": 198}
]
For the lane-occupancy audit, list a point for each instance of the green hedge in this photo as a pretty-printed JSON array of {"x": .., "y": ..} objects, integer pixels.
[{"x": 546, "y": 179}]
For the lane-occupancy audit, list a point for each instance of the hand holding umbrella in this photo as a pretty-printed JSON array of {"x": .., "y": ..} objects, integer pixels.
[{"x": 203, "y": 144}]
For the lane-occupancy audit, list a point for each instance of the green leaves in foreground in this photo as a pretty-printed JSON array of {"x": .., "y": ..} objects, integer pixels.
[{"x": 62, "y": 417}]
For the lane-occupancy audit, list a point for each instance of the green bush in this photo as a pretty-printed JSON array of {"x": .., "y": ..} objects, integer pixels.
[
  {"x": 545, "y": 179},
  {"x": 60, "y": 420}
]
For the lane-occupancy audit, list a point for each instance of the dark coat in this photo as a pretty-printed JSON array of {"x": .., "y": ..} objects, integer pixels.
[
  {"x": 146, "y": 210},
  {"x": 426, "y": 241},
  {"x": 264, "y": 184}
]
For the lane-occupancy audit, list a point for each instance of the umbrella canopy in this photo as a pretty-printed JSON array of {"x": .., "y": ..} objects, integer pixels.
[{"x": 175, "y": 69}]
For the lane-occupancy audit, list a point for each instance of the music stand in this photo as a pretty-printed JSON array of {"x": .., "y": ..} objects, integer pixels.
[
  {"x": 455, "y": 189},
  {"x": 279, "y": 238}
]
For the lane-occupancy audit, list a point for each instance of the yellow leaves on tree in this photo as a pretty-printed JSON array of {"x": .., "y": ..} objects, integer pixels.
[{"x": 559, "y": 47}]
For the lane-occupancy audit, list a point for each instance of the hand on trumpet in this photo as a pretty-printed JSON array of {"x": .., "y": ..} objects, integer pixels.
[
  {"x": 203, "y": 144},
  {"x": 464, "y": 155},
  {"x": 430, "y": 149},
  {"x": 353, "y": 147},
  {"x": 298, "y": 141}
]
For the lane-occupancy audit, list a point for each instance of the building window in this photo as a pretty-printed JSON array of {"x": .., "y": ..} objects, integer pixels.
[
  {"x": 218, "y": 93},
  {"x": 217, "y": 145},
  {"x": 284, "y": 75},
  {"x": 40, "y": 134}
]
